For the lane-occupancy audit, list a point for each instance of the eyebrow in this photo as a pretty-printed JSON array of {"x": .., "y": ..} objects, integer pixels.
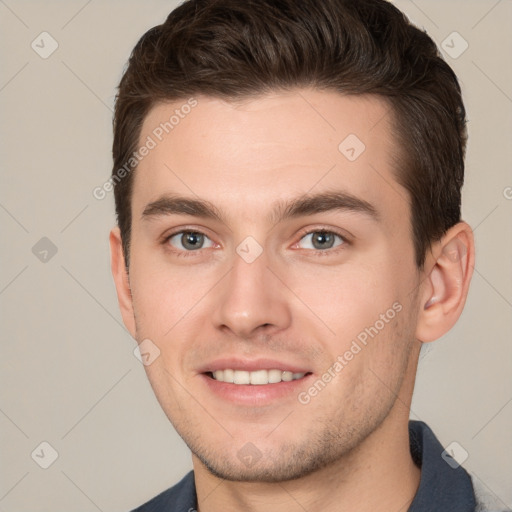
[{"x": 305, "y": 205}]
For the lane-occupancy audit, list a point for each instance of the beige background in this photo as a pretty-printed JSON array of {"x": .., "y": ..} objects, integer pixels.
[{"x": 68, "y": 373}]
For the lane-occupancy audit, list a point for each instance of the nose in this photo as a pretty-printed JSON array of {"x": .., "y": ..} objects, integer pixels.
[{"x": 252, "y": 299}]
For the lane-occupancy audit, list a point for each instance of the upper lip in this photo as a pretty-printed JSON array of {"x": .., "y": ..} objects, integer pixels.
[{"x": 251, "y": 365}]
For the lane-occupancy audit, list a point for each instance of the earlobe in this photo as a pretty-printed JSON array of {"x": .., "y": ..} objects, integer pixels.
[
  {"x": 121, "y": 280},
  {"x": 445, "y": 288}
]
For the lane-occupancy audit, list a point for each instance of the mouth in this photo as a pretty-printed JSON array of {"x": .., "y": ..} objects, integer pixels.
[
  {"x": 255, "y": 378},
  {"x": 256, "y": 387},
  {"x": 254, "y": 382}
]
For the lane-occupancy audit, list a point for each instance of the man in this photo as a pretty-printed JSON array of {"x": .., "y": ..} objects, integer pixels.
[{"x": 287, "y": 181}]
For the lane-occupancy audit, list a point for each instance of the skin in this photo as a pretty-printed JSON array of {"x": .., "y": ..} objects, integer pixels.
[{"x": 295, "y": 302}]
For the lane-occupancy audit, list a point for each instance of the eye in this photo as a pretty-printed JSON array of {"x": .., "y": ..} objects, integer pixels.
[
  {"x": 189, "y": 240},
  {"x": 321, "y": 239}
]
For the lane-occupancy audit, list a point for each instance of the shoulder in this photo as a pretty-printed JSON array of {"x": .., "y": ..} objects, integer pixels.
[
  {"x": 444, "y": 483},
  {"x": 180, "y": 497}
]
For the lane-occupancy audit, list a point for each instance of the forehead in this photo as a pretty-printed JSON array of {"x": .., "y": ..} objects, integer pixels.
[{"x": 267, "y": 148}]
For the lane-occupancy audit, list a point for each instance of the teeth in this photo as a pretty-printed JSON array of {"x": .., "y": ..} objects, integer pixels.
[
  {"x": 229, "y": 376},
  {"x": 287, "y": 376},
  {"x": 242, "y": 377},
  {"x": 274, "y": 376},
  {"x": 257, "y": 378}
]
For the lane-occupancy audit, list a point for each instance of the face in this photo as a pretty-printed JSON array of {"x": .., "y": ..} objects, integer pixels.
[{"x": 272, "y": 265}]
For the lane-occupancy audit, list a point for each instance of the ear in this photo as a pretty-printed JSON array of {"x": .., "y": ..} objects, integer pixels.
[
  {"x": 121, "y": 280},
  {"x": 445, "y": 287}
]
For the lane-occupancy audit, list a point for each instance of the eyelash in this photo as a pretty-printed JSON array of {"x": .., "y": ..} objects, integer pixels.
[
  {"x": 315, "y": 252},
  {"x": 325, "y": 252},
  {"x": 182, "y": 253}
]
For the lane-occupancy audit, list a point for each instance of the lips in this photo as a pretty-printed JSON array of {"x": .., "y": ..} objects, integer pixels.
[
  {"x": 252, "y": 365},
  {"x": 254, "y": 382}
]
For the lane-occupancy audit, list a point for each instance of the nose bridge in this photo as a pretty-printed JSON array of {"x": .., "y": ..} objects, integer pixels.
[{"x": 251, "y": 296}]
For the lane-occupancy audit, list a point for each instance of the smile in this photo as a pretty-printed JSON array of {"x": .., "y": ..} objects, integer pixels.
[{"x": 258, "y": 377}]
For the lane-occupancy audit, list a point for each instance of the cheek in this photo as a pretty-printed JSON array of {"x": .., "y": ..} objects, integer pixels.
[
  {"x": 348, "y": 298},
  {"x": 365, "y": 309},
  {"x": 164, "y": 296}
]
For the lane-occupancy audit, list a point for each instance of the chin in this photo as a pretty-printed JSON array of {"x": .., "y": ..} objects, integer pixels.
[{"x": 275, "y": 465}]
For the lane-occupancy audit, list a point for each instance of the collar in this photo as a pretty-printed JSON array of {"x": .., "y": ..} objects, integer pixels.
[{"x": 442, "y": 486}]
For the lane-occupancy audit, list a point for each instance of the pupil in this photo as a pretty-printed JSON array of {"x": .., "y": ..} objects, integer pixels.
[
  {"x": 192, "y": 240},
  {"x": 321, "y": 240}
]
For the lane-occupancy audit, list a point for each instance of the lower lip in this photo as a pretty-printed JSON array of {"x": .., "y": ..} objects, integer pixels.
[{"x": 253, "y": 394}]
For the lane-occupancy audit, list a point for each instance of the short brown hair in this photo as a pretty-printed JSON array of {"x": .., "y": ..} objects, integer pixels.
[{"x": 235, "y": 49}]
